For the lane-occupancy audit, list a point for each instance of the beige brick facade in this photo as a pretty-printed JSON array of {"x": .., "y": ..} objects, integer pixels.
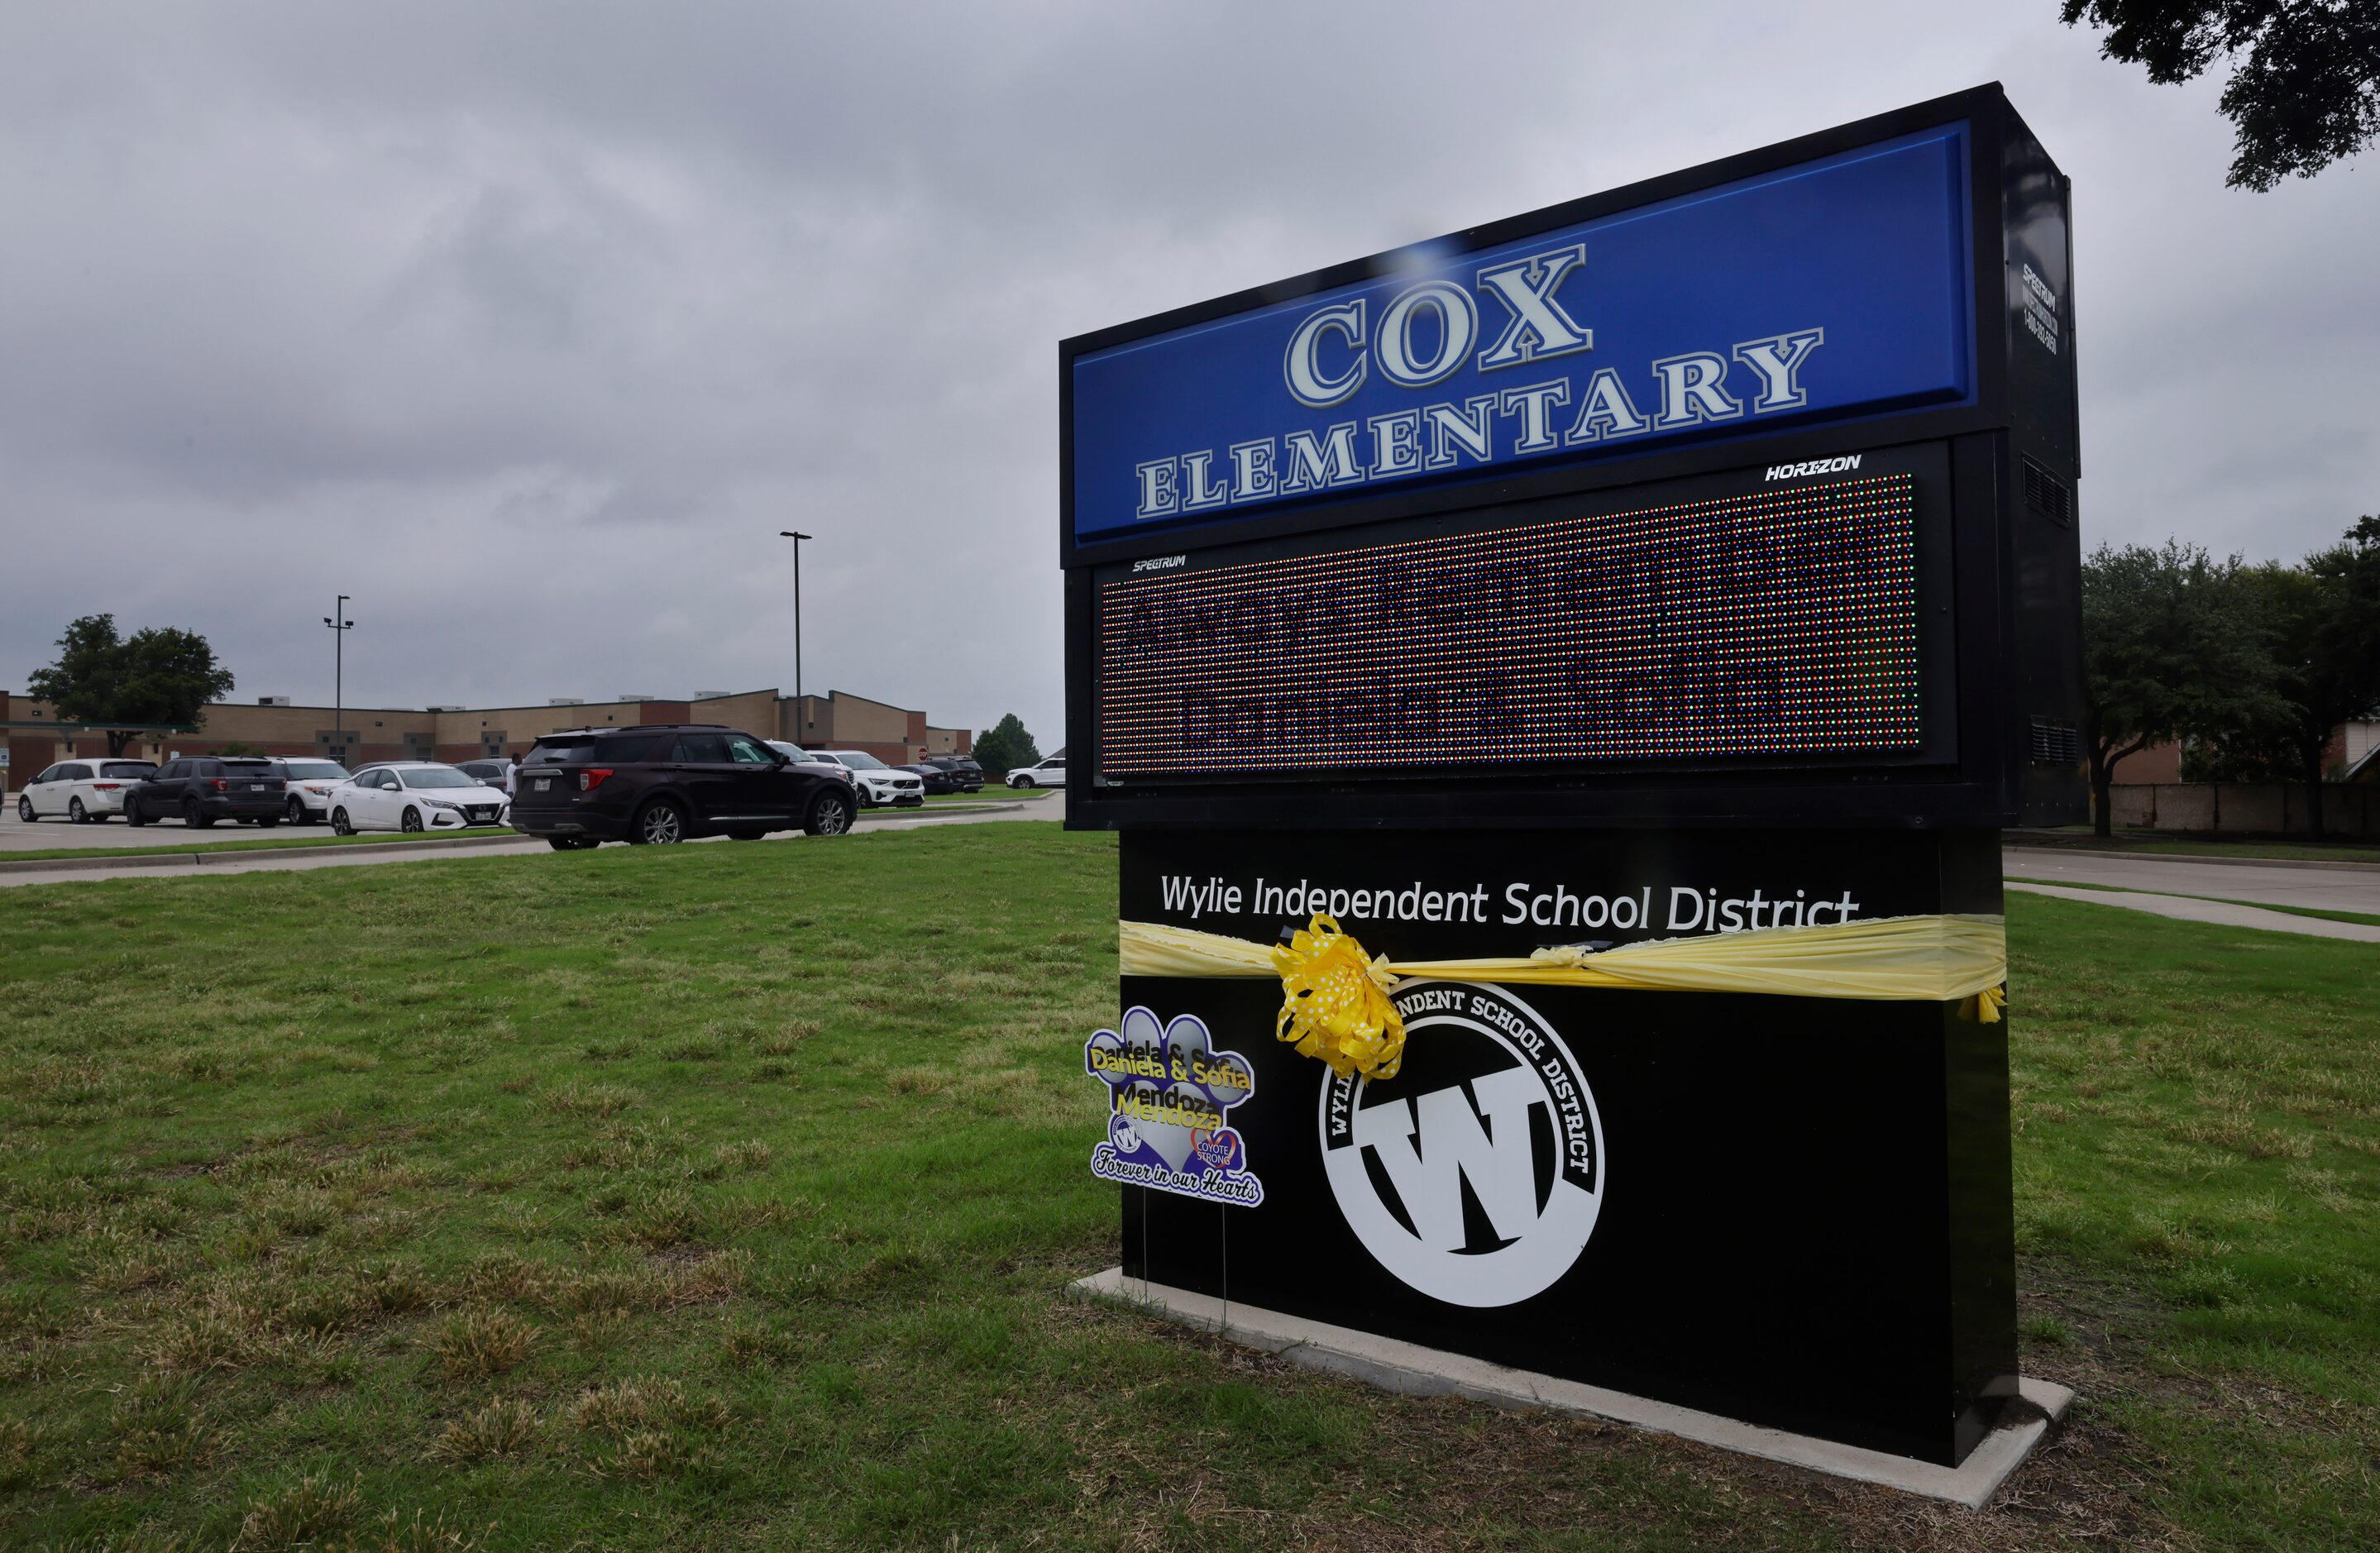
[{"x": 835, "y": 721}]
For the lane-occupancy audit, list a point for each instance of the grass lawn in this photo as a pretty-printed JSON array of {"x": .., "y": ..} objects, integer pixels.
[
  {"x": 262, "y": 842},
  {"x": 717, "y": 1198},
  {"x": 2363, "y": 918}
]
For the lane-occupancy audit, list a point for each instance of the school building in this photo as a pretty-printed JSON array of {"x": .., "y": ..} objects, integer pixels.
[{"x": 359, "y": 735}]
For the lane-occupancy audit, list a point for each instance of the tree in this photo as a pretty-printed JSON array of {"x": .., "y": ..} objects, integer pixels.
[
  {"x": 1004, "y": 747},
  {"x": 2169, "y": 648},
  {"x": 2322, "y": 625},
  {"x": 159, "y": 675},
  {"x": 2304, "y": 91}
]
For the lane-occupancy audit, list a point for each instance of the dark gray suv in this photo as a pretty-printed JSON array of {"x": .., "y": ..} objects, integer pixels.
[{"x": 201, "y": 789}]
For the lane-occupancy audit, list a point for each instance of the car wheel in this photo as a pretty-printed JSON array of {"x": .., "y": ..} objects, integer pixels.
[
  {"x": 658, "y": 823},
  {"x": 339, "y": 824},
  {"x": 192, "y": 818},
  {"x": 830, "y": 815},
  {"x": 132, "y": 815},
  {"x": 296, "y": 811},
  {"x": 25, "y": 810},
  {"x": 76, "y": 813},
  {"x": 411, "y": 823}
]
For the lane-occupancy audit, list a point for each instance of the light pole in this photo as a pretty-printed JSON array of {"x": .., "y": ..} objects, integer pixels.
[
  {"x": 799, "y": 726},
  {"x": 340, "y": 625}
]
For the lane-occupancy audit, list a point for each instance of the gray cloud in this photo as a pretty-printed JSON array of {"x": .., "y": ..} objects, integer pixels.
[{"x": 530, "y": 325}]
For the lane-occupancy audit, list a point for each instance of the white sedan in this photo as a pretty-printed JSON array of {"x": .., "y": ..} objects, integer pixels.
[
  {"x": 413, "y": 795},
  {"x": 82, "y": 791}
]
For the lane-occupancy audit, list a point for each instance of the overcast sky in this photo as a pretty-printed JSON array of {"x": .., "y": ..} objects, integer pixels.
[{"x": 530, "y": 325}]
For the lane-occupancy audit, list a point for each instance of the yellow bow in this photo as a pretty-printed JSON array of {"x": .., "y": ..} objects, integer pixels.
[{"x": 1335, "y": 1003}]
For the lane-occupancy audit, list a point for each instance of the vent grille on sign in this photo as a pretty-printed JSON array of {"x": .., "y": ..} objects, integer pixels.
[
  {"x": 2046, "y": 495},
  {"x": 2055, "y": 743}
]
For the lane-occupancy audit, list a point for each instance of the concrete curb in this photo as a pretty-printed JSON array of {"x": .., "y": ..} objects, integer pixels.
[
  {"x": 929, "y": 812},
  {"x": 1418, "y": 1371},
  {"x": 232, "y": 852},
  {"x": 2057, "y": 850}
]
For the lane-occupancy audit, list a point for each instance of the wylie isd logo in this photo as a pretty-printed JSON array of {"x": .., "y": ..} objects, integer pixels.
[{"x": 1475, "y": 1174}]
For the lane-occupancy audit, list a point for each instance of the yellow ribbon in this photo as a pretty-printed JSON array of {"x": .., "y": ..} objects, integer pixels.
[{"x": 1335, "y": 1003}]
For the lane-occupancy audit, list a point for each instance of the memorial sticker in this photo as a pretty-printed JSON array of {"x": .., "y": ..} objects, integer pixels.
[{"x": 1169, "y": 1095}]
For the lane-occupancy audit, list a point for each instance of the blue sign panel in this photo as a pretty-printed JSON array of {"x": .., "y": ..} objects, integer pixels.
[{"x": 1836, "y": 289}]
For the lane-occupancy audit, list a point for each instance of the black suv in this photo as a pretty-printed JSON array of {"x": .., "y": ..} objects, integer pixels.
[
  {"x": 964, "y": 772},
  {"x": 661, "y": 783},
  {"x": 201, "y": 789}
]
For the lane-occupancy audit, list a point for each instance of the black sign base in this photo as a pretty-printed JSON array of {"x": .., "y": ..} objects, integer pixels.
[{"x": 1793, "y": 1211}]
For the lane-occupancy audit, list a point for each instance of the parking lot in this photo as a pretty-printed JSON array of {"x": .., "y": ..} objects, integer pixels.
[
  {"x": 51, "y": 835},
  {"x": 17, "y": 839}
]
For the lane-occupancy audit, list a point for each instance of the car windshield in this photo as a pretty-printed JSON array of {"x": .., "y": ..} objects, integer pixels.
[
  {"x": 860, "y": 760},
  {"x": 127, "y": 768},
  {"x": 439, "y": 777},
  {"x": 317, "y": 771}
]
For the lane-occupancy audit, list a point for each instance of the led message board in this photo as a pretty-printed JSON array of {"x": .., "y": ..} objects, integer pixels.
[{"x": 1774, "y": 622}]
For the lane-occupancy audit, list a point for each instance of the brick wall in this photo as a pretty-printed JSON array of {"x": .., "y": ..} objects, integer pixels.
[
  {"x": 895, "y": 735},
  {"x": 2265, "y": 808}
]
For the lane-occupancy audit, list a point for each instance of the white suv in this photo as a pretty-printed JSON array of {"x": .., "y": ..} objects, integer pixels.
[
  {"x": 1047, "y": 773},
  {"x": 878, "y": 783},
  {"x": 310, "y": 785},
  {"x": 82, "y": 791}
]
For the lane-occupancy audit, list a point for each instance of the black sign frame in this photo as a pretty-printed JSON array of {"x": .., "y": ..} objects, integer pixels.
[{"x": 2016, "y": 704}]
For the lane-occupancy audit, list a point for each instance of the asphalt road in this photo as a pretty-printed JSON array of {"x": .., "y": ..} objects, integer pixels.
[
  {"x": 46, "y": 835},
  {"x": 305, "y": 859}
]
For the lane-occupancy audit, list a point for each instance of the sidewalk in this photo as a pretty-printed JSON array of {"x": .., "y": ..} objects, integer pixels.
[{"x": 2266, "y": 882}]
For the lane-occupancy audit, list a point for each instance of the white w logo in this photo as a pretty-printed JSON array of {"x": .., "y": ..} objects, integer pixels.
[
  {"x": 1498, "y": 1160},
  {"x": 1432, "y": 1146}
]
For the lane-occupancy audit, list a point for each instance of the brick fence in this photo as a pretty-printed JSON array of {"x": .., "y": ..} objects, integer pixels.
[{"x": 2269, "y": 808}]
